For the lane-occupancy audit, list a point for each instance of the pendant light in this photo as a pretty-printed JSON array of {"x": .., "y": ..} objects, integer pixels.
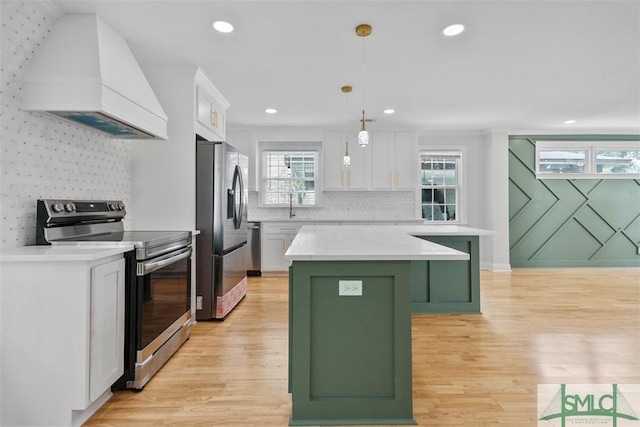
[
  {"x": 363, "y": 30},
  {"x": 346, "y": 160}
]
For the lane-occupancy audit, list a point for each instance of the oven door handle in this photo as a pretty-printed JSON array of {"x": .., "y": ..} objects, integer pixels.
[
  {"x": 164, "y": 250},
  {"x": 144, "y": 268}
]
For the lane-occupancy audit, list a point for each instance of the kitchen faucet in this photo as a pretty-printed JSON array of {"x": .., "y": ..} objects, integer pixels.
[{"x": 291, "y": 212}]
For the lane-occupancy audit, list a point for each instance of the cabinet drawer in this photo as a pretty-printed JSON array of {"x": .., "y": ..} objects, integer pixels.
[{"x": 281, "y": 228}]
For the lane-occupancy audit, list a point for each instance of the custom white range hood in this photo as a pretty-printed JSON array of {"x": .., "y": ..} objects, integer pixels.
[{"x": 86, "y": 73}]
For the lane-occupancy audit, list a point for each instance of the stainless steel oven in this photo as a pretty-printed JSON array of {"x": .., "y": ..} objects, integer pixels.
[
  {"x": 157, "y": 280},
  {"x": 162, "y": 304}
]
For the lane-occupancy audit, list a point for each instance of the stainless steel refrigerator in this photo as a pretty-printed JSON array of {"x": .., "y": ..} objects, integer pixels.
[{"x": 221, "y": 216}]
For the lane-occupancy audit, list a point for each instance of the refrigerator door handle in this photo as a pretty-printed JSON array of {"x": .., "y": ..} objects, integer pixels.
[{"x": 238, "y": 202}]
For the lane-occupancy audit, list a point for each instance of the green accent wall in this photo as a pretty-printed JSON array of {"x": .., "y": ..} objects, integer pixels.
[{"x": 570, "y": 222}]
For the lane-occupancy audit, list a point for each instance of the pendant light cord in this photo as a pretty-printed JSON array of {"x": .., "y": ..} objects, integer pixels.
[
  {"x": 346, "y": 123},
  {"x": 363, "y": 77}
]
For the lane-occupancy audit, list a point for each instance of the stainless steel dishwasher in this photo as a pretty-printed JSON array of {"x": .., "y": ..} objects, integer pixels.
[{"x": 253, "y": 241}]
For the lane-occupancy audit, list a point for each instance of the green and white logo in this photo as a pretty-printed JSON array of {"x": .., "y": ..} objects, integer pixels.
[{"x": 588, "y": 404}]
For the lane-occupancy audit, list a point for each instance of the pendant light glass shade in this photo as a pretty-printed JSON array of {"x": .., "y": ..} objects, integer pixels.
[
  {"x": 346, "y": 160},
  {"x": 363, "y": 138},
  {"x": 363, "y": 135}
]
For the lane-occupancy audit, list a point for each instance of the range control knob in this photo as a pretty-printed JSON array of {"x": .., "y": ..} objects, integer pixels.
[
  {"x": 120, "y": 206},
  {"x": 57, "y": 207},
  {"x": 113, "y": 207},
  {"x": 69, "y": 207}
]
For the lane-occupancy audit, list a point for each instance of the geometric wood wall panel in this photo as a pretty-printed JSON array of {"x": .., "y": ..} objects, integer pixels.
[
  {"x": 518, "y": 200},
  {"x": 569, "y": 223},
  {"x": 571, "y": 242}
]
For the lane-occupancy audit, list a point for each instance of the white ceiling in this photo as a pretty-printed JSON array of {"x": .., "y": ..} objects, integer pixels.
[{"x": 519, "y": 65}]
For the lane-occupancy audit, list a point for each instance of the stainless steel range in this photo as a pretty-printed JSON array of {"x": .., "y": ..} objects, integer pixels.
[{"x": 157, "y": 279}]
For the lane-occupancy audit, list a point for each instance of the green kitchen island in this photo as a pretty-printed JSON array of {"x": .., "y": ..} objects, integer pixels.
[{"x": 350, "y": 305}]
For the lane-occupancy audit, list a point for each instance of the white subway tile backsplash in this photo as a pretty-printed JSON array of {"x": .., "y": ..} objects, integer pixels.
[
  {"x": 42, "y": 156},
  {"x": 345, "y": 205}
]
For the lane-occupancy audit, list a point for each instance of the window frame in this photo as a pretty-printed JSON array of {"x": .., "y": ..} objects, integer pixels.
[
  {"x": 591, "y": 149},
  {"x": 460, "y": 187},
  {"x": 290, "y": 148}
]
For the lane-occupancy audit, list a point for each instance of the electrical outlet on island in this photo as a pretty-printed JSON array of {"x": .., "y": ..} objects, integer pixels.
[{"x": 350, "y": 288}]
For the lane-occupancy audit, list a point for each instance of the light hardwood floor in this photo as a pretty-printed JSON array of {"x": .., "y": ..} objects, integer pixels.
[{"x": 542, "y": 326}]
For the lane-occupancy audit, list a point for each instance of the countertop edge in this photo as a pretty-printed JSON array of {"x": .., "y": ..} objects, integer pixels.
[{"x": 60, "y": 253}]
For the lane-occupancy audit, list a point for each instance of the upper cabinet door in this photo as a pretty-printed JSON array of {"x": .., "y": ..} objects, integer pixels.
[
  {"x": 393, "y": 158},
  {"x": 405, "y": 155},
  {"x": 336, "y": 175},
  {"x": 382, "y": 166},
  {"x": 210, "y": 110}
]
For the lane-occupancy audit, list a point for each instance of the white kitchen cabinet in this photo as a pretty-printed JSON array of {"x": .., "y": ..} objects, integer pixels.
[
  {"x": 273, "y": 248},
  {"x": 275, "y": 240},
  {"x": 393, "y": 158},
  {"x": 336, "y": 175},
  {"x": 107, "y": 327},
  {"x": 62, "y": 337},
  {"x": 210, "y": 110}
]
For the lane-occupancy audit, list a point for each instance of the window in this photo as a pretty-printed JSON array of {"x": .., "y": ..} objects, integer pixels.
[
  {"x": 440, "y": 183},
  {"x": 289, "y": 177},
  {"x": 618, "y": 162},
  {"x": 587, "y": 159}
]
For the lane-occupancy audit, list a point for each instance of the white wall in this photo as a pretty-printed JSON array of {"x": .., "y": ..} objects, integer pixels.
[
  {"x": 495, "y": 206},
  {"x": 42, "y": 156}
]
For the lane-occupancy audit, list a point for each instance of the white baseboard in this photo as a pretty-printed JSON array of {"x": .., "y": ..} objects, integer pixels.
[{"x": 495, "y": 267}]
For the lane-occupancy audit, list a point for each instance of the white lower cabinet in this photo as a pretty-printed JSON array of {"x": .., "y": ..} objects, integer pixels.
[
  {"x": 62, "y": 338},
  {"x": 107, "y": 327},
  {"x": 275, "y": 240},
  {"x": 274, "y": 247}
]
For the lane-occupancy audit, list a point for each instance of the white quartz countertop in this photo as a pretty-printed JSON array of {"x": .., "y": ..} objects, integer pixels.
[
  {"x": 368, "y": 243},
  {"x": 61, "y": 253}
]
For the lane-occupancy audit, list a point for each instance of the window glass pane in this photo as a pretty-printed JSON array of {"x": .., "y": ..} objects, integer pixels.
[
  {"x": 439, "y": 180},
  {"x": 289, "y": 176},
  {"x": 562, "y": 161},
  {"x": 618, "y": 162},
  {"x": 307, "y": 198}
]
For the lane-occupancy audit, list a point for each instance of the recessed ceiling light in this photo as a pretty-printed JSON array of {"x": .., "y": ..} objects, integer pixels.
[
  {"x": 223, "y": 26},
  {"x": 270, "y": 110},
  {"x": 452, "y": 30},
  {"x": 568, "y": 122},
  {"x": 389, "y": 111}
]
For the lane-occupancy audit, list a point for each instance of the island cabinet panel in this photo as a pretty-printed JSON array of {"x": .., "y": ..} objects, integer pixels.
[
  {"x": 447, "y": 286},
  {"x": 350, "y": 356}
]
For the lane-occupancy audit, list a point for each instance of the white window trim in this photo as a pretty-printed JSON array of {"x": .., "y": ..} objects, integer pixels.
[
  {"x": 461, "y": 190},
  {"x": 591, "y": 148},
  {"x": 289, "y": 146}
]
